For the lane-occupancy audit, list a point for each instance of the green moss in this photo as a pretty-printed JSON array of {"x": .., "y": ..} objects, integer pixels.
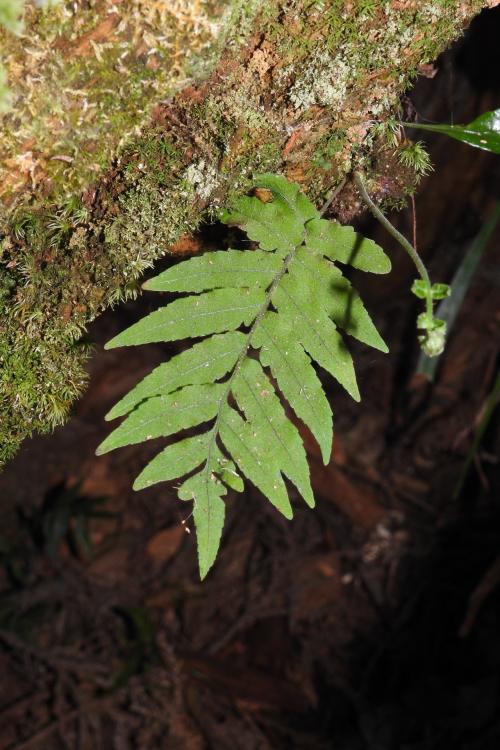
[
  {"x": 153, "y": 153},
  {"x": 41, "y": 364},
  {"x": 415, "y": 157},
  {"x": 217, "y": 120},
  {"x": 330, "y": 145},
  {"x": 8, "y": 283},
  {"x": 149, "y": 221},
  {"x": 38, "y": 383}
]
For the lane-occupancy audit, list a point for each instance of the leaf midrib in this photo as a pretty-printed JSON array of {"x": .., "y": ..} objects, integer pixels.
[
  {"x": 207, "y": 273},
  {"x": 264, "y": 308},
  {"x": 223, "y": 401},
  {"x": 268, "y": 420},
  {"x": 178, "y": 410},
  {"x": 244, "y": 351},
  {"x": 302, "y": 390},
  {"x": 205, "y": 314}
]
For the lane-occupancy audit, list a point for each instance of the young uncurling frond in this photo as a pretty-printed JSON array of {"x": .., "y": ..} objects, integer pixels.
[{"x": 263, "y": 317}]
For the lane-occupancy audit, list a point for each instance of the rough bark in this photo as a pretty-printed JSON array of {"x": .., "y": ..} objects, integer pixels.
[{"x": 302, "y": 87}]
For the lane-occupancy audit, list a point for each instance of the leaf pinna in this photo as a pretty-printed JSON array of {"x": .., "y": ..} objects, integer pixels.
[{"x": 263, "y": 316}]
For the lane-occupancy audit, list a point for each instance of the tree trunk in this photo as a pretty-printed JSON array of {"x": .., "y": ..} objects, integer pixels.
[{"x": 304, "y": 88}]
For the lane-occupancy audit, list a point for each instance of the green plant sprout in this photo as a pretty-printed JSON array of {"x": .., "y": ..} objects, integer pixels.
[
  {"x": 433, "y": 336},
  {"x": 483, "y": 133},
  {"x": 262, "y": 312},
  {"x": 449, "y": 308}
]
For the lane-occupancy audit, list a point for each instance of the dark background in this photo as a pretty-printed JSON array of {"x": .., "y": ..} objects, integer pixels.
[{"x": 371, "y": 622}]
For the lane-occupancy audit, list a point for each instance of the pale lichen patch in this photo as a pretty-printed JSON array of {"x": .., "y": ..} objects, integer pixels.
[
  {"x": 324, "y": 82},
  {"x": 203, "y": 177}
]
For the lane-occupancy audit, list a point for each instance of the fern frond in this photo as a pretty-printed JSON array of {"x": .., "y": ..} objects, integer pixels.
[{"x": 266, "y": 316}]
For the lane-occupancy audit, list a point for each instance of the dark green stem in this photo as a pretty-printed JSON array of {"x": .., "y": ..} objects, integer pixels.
[{"x": 417, "y": 260}]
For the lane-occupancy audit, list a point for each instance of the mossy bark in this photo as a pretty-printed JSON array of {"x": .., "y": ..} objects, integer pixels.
[{"x": 302, "y": 87}]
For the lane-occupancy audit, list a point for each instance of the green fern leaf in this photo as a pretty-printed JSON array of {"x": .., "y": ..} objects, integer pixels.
[
  {"x": 343, "y": 244},
  {"x": 337, "y": 297},
  {"x": 205, "y": 362},
  {"x": 296, "y": 299},
  {"x": 162, "y": 416},
  {"x": 296, "y": 377},
  {"x": 208, "y": 514},
  {"x": 218, "y": 270},
  {"x": 213, "y": 312},
  {"x": 266, "y": 315}
]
